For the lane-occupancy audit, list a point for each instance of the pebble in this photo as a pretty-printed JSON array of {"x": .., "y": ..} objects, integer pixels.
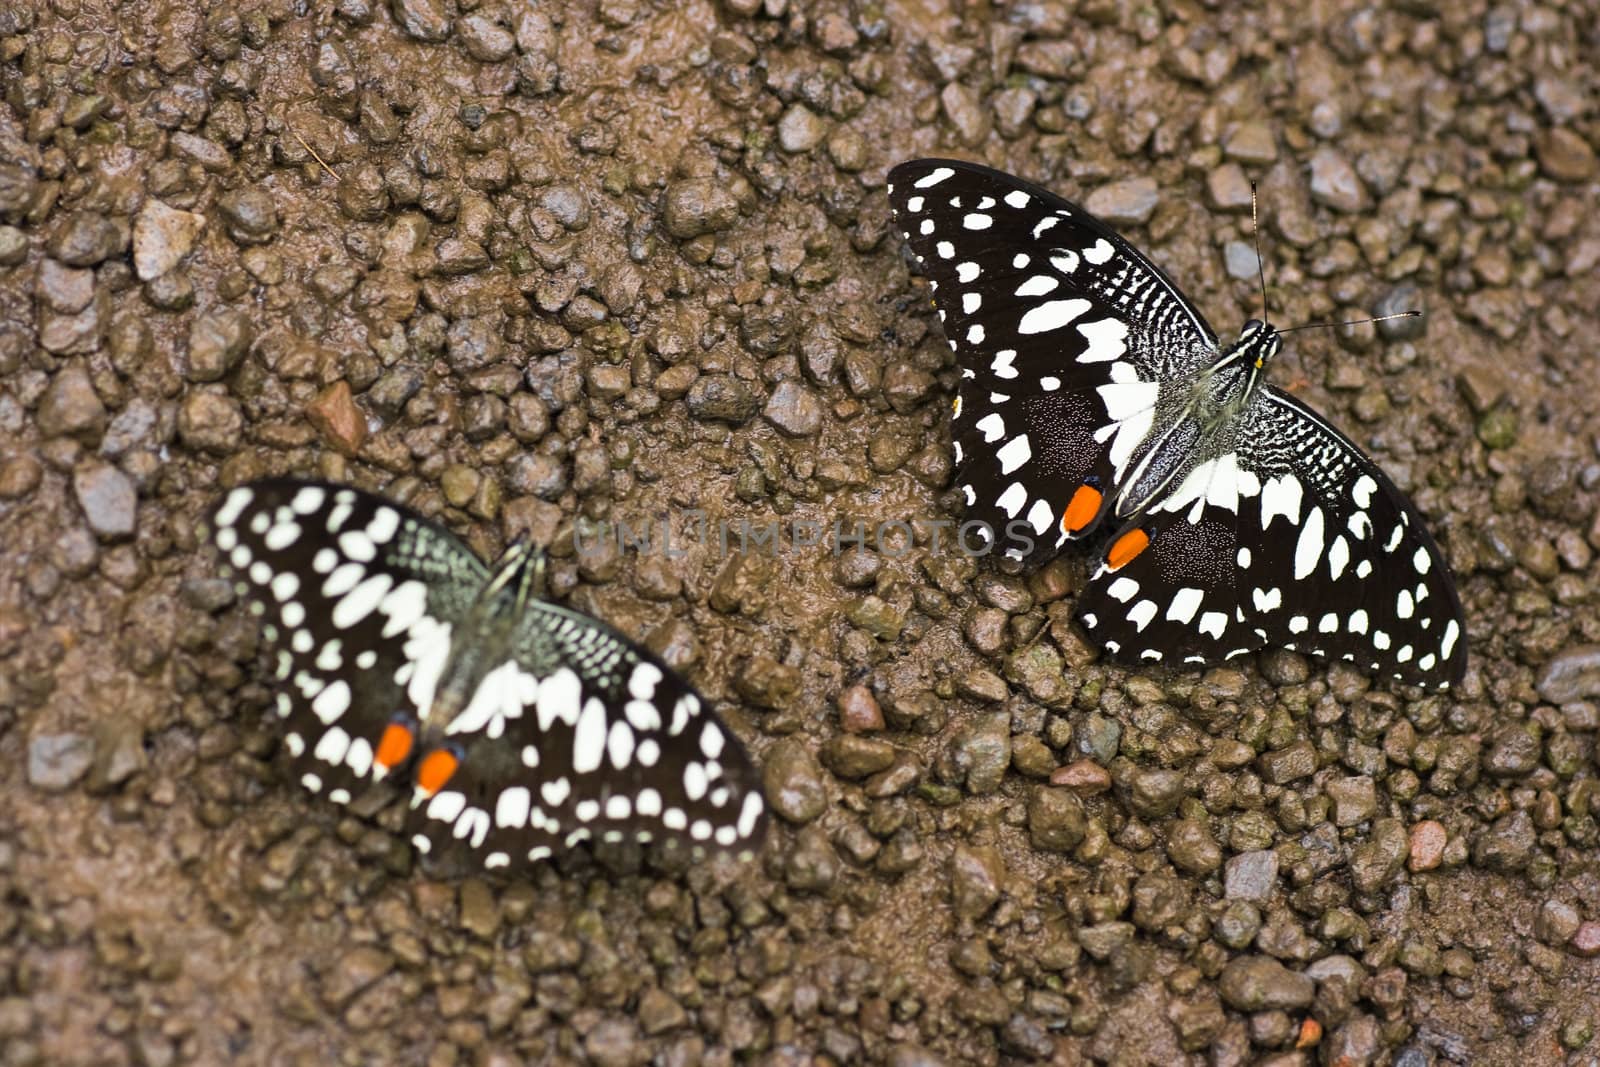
[
  {"x": 250, "y": 215},
  {"x": 1354, "y": 799},
  {"x": 1251, "y": 876},
  {"x": 1290, "y": 764},
  {"x": 965, "y": 110},
  {"x": 793, "y": 782},
  {"x": 800, "y": 130},
  {"x": 426, "y": 20},
  {"x": 1260, "y": 983},
  {"x": 57, "y": 761},
  {"x": 794, "y": 410},
  {"x": 211, "y": 422},
  {"x": 108, "y": 499},
  {"x": 1251, "y": 143},
  {"x": 1334, "y": 182},
  {"x": 695, "y": 206},
  {"x": 162, "y": 237},
  {"x": 71, "y": 407},
  {"x": 1570, "y": 675},
  {"x": 1564, "y": 155},
  {"x": 723, "y": 398},
  {"x": 1192, "y": 847},
  {"x": 1586, "y": 940},
  {"x": 853, "y": 757},
  {"x": 336, "y": 417},
  {"x": 84, "y": 239},
  {"x": 353, "y": 972},
  {"x": 1056, "y": 819},
  {"x": 979, "y": 754},
  {"x": 976, "y": 875},
  {"x": 1426, "y": 844},
  {"x": 1084, "y": 777},
  {"x": 858, "y": 710},
  {"x": 218, "y": 340},
  {"x": 1129, "y": 202}
]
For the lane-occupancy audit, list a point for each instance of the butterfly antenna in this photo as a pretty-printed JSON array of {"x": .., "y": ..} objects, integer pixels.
[
  {"x": 1261, "y": 264},
  {"x": 1351, "y": 322}
]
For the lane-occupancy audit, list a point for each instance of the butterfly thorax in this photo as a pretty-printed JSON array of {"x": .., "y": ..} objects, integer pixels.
[
  {"x": 486, "y": 638},
  {"x": 1201, "y": 419}
]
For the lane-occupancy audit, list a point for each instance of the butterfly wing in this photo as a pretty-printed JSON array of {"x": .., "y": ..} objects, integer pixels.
[
  {"x": 602, "y": 741},
  {"x": 351, "y": 589},
  {"x": 1065, "y": 334},
  {"x": 1292, "y": 538}
]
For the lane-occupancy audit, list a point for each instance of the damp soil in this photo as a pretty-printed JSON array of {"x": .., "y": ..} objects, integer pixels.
[{"x": 552, "y": 268}]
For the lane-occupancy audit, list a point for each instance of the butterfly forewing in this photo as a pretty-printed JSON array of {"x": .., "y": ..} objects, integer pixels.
[
  {"x": 567, "y": 731},
  {"x": 351, "y": 588},
  {"x": 1091, "y": 387},
  {"x": 1064, "y": 332}
]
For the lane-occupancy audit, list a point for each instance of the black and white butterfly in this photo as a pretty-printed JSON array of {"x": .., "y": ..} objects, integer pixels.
[
  {"x": 522, "y": 727},
  {"x": 1096, "y": 401}
]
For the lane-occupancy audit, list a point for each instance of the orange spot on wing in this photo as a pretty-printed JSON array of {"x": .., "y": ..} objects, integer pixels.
[
  {"x": 1082, "y": 509},
  {"x": 1126, "y": 547},
  {"x": 393, "y": 747},
  {"x": 436, "y": 769}
]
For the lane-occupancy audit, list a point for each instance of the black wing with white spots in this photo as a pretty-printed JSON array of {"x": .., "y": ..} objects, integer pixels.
[
  {"x": 520, "y": 726},
  {"x": 1062, "y": 329},
  {"x": 1095, "y": 400}
]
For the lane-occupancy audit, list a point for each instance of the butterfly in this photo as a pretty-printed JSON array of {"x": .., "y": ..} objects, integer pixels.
[
  {"x": 520, "y": 726},
  {"x": 1096, "y": 403}
]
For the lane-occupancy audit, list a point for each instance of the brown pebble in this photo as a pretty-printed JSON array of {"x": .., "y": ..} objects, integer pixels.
[
  {"x": 1585, "y": 940},
  {"x": 336, "y": 417},
  {"x": 1428, "y": 839},
  {"x": 1084, "y": 777},
  {"x": 859, "y": 711}
]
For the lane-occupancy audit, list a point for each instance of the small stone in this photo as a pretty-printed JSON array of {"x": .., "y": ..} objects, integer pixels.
[
  {"x": 1260, "y": 983},
  {"x": 1334, "y": 182},
  {"x": 694, "y": 206},
  {"x": 210, "y": 421},
  {"x": 1056, "y": 819},
  {"x": 13, "y": 246},
  {"x": 478, "y": 914},
  {"x": 723, "y": 398},
  {"x": 853, "y": 757},
  {"x": 566, "y": 202},
  {"x": 1228, "y": 188},
  {"x": 1570, "y": 675},
  {"x": 354, "y": 971},
  {"x": 162, "y": 236},
  {"x": 250, "y": 214},
  {"x": 793, "y": 782},
  {"x": 64, "y": 289},
  {"x": 1354, "y": 799},
  {"x": 976, "y": 876},
  {"x": 19, "y": 476},
  {"x": 859, "y": 711},
  {"x": 426, "y": 20},
  {"x": 485, "y": 39},
  {"x": 1586, "y": 940},
  {"x": 1251, "y": 876},
  {"x": 964, "y": 108},
  {"x": 1192, "y": 847},
  {"x": 767, "y": 683},
  {"x": 118, "y": 755},
  {"x": 1564, "y": 155},
  {"x": 979, "y": 754},
  {"x": 794, "y": 410},
  {"x": 108, "y": 499},
  {"x": 71, "y": 407},
  {"x": 1426, "y": 845},
  {"x": 800, "y": 130},
  {"x": 1251, "y": 143},
  {"x": 56, "y": 761},
  {"x": 336, "y": 417},
  {"x": 217, "y": 342},
  {"x": 1290, "y": 764},
  {"x": 84, "y": 239},
  {"x": 1084, "y": 777},
  {"x": 1129, "y": 202}
]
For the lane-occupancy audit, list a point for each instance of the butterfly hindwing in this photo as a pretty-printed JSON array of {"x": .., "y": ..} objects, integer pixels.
[
  {"x": 1064, "y": 332},
  {"x": 612, "y": 745},
  {"x": 341, "y": 579}
]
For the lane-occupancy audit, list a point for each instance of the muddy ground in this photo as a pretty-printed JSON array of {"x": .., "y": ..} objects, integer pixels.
[{"x": 528, "y": 266}]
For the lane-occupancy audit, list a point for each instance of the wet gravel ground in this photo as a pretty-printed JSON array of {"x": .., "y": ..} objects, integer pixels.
[{"x": 541, "y": 268}]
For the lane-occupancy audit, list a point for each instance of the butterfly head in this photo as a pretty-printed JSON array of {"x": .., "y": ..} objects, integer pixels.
[{"x": 1258, "y": 342}]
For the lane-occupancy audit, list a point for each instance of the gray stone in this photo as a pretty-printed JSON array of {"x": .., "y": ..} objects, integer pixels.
[
  {"x": 1130, "y": 202},
  {"x": 56, "y": 761},
  {"x": 1251, "y": 876},
  {"x": 1334, "y": 182},
  {"x": 162, "y": 236},
  {"x": 108, "y": 500}
]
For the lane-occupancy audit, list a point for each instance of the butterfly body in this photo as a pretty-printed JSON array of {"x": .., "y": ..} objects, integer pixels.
[
  {"x": 522, "y": 726},
  {"x": 1096, "y": 401}
]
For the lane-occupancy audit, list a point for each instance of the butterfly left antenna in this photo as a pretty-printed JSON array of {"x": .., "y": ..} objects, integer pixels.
[{"x": 1261, "y": 264}]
